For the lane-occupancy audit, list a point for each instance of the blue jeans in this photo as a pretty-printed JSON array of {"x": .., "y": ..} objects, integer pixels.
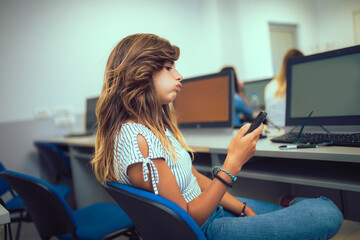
[{"x": 305, "y": 218}]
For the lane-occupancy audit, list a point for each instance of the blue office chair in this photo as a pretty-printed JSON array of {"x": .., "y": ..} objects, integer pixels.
[
  {"x": 16, "y": 206},
  {"x": 55, "y": 161},
  {"x": 52, "y": 215},
  {"x": 154, "y": 217}
]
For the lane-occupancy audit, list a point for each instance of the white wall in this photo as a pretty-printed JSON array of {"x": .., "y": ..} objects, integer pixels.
[
  {"x": 341, "y": 24},
  {"x": 53, "y": 53},
  {"x": 254, "y": 19}
]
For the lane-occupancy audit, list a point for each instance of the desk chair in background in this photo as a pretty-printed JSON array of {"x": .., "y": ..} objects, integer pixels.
[
  {"x": 52, "y": 215},
  {"x": 55, "y": 162},
  {"x": 15, "y": 204},
  {"x": 57, "y": 168},
  {"x": 154, "y": 217}
]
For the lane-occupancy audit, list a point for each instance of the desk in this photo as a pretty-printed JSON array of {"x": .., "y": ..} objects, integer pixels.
[
  {"x": 4, "y": 219},
  {"x": 325, "y": 166},
  {"x": 4, "y": 215},
  {"x": 330, "y": 167}
]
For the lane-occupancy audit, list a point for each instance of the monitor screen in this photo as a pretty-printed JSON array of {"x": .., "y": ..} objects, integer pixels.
[
  {"x": 90, "y": 116},
  {"x": 206, "y": 101},
  {"x": 326, "y": 83},
  {"x": 257, "y": 87}
]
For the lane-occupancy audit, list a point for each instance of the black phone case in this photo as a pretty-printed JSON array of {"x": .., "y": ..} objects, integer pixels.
[{"x": 256, "y": 123}]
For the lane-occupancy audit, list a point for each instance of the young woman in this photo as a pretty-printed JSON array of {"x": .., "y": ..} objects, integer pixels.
[
  {"x": 275, "y": 92},
  {"x": 242, "y": 105},
  {"x": 138, "y": 143}
]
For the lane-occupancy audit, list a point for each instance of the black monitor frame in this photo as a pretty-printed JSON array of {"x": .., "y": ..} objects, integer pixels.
[
  {"x": 225, "y": 124},
  {"x": 90, "y": 116},
  {"x": 318, "y": 121},
  {"x": 261, "y": 95}
]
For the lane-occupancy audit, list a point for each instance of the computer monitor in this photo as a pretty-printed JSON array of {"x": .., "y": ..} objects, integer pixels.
[
  {"x": 206, "y": 101},
  {"x": 257, "y": 87},
  {"x": 90, "y": 116},
  {"x": 327, "y": 83}
]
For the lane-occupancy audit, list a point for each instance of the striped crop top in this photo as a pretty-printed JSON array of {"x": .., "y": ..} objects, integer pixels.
[{"x": 127, "y": 152}]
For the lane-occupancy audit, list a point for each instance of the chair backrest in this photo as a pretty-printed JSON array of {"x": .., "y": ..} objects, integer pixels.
[
  {"x": 54, "y": 159},
  {"x": 4, "y": 186},
  {"x": 49, "y": 211},
  {"x": 154, "y": 217}
]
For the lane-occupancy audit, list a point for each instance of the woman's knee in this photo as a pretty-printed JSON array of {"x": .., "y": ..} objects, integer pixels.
[{"x": 332, "y": 216}]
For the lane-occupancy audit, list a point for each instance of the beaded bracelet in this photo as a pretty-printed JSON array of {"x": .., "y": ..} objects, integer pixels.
[
  {"x": 220, "y": 169},
  {"x": 223, "y": 181},
  {"x": 242, "y": 214}
]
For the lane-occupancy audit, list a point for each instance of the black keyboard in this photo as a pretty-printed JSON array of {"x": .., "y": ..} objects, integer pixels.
[{"x": 349, "y": 139}]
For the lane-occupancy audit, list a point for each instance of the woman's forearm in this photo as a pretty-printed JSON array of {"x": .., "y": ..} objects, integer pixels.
[
  {"x": 204, "y": 182},
  {"x": 228, "y": 201},
  {"x": 201, "y": 207}
]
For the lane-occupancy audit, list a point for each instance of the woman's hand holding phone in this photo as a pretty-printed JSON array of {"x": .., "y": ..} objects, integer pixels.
[
  {"x": 243, "y": 145},
  {"x": 258, "y": 120}
]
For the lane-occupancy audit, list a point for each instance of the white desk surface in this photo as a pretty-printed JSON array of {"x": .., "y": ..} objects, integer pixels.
[
  {"x": 217, "y": 142},
  {"x": 4, "y": 215},
  {"x": 86, "y": 141},
  {"x": 266, "y": 148}
]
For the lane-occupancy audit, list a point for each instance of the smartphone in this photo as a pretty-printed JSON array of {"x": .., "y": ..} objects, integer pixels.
[{"x": 258, "y": 120}]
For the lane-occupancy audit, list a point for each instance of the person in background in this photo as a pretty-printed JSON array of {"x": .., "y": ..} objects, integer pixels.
[
  {"x": 275, "y": 93},
  {"x": 138, "y": 143},
  {"x": 242, "y": 105}
]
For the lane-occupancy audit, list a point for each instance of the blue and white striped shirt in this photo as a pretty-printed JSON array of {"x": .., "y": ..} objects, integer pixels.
[{"x": 127, "y": 152}]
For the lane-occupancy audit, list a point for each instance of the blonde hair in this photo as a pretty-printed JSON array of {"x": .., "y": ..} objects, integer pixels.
[
  {"x": 281, "y": 77},
  {"x": 128, "y": 94}
]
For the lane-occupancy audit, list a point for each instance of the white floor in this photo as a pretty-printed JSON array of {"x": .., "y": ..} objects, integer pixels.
[{"x": 349, "y": 231}]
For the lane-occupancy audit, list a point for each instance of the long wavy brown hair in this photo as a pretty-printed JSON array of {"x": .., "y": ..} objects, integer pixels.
[
  {"x": 281, "y": 77},
  {"x": 128, "y": 94}
]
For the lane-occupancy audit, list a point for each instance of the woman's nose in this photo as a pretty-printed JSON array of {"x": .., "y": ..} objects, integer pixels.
[{"x": 179, "y": 76}]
